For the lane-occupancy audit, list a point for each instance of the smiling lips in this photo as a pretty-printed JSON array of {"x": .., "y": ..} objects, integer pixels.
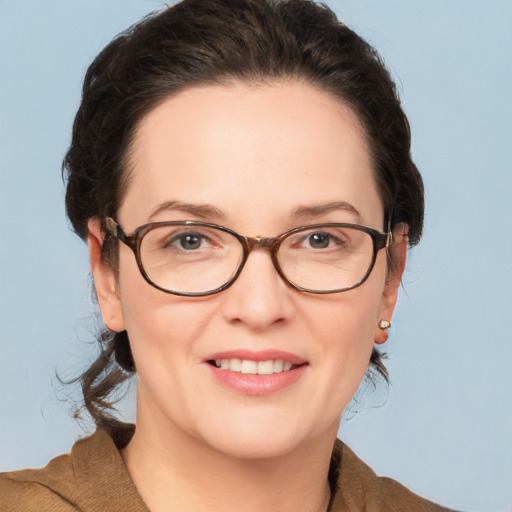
[
  {"x": 248, "y": 366},
  {"x": 257, "y": 373}
]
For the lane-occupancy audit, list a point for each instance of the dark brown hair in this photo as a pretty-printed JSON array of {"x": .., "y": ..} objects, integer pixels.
[{"x": 199, "y": 42}]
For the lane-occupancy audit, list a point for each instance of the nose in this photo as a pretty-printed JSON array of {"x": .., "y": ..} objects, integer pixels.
[{"x": 259, "y": 298}]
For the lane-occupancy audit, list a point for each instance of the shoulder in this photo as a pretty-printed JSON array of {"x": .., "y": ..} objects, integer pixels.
[
  {"x": 39, "y": 489},
  {"x": 357, "y": 487},
  {"x": 92, "y": 477}
]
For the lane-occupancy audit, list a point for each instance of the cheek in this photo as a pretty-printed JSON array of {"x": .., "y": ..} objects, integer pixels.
[
  {"x": 345, "y": 328},
  {"x": 155, "y": 321},
  {"x": 346, "y": 362},
  {"x": 351, "y": 340},
  {"x": 348, "y": 320},
  {"x": 162, "y": 331}
]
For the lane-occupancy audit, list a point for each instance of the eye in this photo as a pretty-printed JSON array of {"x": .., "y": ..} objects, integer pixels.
[
  {"x": 324, "y": 240},
  {"x": 188, "y": 241},
  {"x": 319, "y": 240}
]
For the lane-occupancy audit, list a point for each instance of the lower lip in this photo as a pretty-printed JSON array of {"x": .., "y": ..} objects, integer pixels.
[{"x": 257, "y": 385}]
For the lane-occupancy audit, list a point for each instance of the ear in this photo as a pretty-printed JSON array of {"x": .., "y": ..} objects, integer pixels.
[
  {"x": 397, "y": 255},
  {"x": 105, "y": 280}
]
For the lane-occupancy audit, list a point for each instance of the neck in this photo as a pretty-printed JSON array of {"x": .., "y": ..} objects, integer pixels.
[{"x": 174, "y": 471}]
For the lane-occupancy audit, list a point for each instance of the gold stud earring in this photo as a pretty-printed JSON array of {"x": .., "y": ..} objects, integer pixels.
[
  {"x": 384, "y": 324},
  {"x": 382, "y": 336}
]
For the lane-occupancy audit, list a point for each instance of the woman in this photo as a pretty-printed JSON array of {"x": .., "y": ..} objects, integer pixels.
[{"x": 241, "y": 172}]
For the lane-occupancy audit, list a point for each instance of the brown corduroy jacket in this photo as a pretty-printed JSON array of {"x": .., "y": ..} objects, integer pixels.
[{"x": 93, "y": 478}]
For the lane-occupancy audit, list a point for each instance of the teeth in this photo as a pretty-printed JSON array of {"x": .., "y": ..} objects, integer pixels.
[
  {"x": 265, "y": 367},
  {"x": 248, "y": 366},
  {"x": 278, "y": 366},
  {"x": 235, "y": 365},
  {"x": 254, "y": 367}
]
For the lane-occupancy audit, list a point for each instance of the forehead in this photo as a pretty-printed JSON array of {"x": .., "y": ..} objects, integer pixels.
[{"x": 250, "y": 148}]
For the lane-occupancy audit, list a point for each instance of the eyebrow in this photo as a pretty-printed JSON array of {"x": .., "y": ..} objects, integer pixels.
[
  {"x": 202, "y": 211},
  {"x": 318, "y": 210},
  {"x": 207, "y": 211}
]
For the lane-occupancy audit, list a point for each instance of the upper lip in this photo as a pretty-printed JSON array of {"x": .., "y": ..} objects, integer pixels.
[{"x": 259, "y": 355}]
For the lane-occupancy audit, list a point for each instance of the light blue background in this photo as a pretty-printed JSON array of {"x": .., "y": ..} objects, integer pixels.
[{"x": 445, "y": 429}]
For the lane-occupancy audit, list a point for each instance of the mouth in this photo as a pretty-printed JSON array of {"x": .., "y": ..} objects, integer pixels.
[
  {"x": 251, "y": 367},
  {"x": 256, "y": 373}
]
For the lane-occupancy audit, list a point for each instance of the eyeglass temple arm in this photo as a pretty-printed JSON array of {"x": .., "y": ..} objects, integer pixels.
[
  {"x": 389, "y": 238},
  {"x": 116, "y": 230}
]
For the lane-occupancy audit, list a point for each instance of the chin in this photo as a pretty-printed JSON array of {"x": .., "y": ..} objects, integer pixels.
[
  {"x": 258, "y": 436},
  {"x": 254, "y": 447}
]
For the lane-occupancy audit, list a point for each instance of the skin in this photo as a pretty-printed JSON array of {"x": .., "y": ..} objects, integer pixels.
[{"x": 256, "y": 153}]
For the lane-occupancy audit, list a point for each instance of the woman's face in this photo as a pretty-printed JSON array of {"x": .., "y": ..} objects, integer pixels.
[{"x": 261, "y": 160}]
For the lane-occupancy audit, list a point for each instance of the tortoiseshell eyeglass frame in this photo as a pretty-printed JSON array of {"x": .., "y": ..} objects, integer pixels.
[{"x": 133, "y": 241}]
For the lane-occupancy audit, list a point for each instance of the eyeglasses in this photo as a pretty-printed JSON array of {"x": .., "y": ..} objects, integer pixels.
[{"x": 195, "y": 259}]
